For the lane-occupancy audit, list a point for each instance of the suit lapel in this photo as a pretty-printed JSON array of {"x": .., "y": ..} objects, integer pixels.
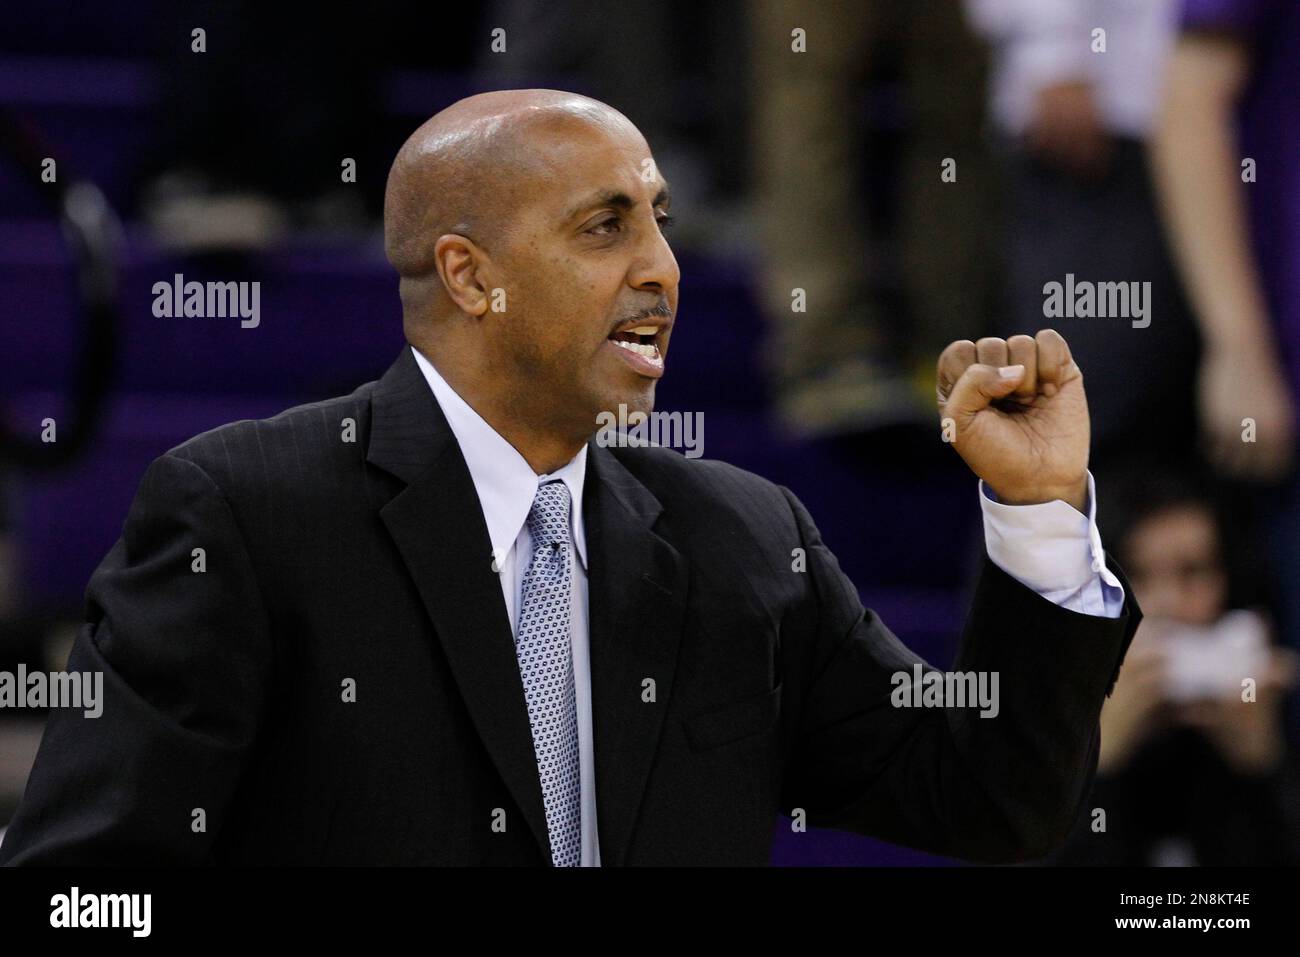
[
  {"x": 636, "y": 602},
  {"x": 444, "y": 542}
]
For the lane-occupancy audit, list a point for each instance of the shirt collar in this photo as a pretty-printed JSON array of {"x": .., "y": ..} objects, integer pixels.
[{"x": 505, "y": 482}]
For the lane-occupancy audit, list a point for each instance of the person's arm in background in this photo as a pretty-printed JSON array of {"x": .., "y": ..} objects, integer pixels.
[
  {"x": 1197, "y": 166},
  {"x": 1256, "y": 786},
  {"x": 186, "y": 658}
]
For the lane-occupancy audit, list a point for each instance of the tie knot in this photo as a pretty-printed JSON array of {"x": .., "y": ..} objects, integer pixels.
[{"x": 548, "y": 521}]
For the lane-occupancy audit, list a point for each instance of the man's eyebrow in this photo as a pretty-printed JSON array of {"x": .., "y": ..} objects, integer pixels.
[{"x": 617, "y": 199}]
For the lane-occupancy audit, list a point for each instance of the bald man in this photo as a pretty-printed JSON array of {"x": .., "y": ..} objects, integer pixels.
[{"x": 437, "y": 622}]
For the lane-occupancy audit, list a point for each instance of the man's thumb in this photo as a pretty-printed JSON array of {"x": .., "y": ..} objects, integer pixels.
[{"x": 980, "y": 385}]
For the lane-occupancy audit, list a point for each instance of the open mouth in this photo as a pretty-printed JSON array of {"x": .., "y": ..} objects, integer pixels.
[{"x": 640, "y": 347}]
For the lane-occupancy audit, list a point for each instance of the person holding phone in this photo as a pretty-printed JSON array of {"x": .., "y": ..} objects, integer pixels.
[{"x": 1194, "y": 766}]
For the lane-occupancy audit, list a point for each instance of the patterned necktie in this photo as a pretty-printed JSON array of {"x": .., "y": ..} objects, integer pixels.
[{"x": 546, "y": 666}]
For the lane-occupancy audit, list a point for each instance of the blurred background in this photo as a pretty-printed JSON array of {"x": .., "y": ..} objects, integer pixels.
[{"x": 856, "y": 184}]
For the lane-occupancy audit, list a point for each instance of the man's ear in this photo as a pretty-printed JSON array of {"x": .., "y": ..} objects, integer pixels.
[{"x": 460, "y": 265}]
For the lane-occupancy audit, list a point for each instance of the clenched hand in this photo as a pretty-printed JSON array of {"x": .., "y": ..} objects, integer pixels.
[{"x": 1016, "y": 413}]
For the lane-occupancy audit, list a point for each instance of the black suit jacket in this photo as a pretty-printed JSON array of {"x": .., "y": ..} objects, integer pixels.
[{"x": 344, "y": 547}]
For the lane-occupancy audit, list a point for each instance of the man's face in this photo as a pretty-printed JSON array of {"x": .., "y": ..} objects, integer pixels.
[
  {"x": 583, "y": 262},
  {"x": 1174, "y": 565}
]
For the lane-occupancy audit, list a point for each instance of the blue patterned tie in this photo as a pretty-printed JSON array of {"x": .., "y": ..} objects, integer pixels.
[{"x": 546, "y": 666}]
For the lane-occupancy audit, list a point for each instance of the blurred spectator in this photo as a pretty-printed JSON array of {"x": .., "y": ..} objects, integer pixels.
[
  {"x": 256, "y": 125},
  {"x": 693, "y": 114},
  {"x": 1074, "y": 118},
  {"x": 1189, "y": 772},
  {"x": 1225, "y": 158},
  {"x": 843, "y": 366}
]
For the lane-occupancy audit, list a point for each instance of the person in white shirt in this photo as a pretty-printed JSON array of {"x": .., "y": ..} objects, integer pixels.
[{"x": 1074, "y": 95}]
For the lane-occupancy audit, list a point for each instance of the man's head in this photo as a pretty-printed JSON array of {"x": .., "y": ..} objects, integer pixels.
[
  {"x": 1166, "y": 529},
  {"x": 526, "y": 228},
  {"x": 1175, "y": 564}
]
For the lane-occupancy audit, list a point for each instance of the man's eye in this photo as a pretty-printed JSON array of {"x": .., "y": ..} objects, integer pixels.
[
  {"x": 599, "y": 228},
  {"x": 666, "y": 221}
]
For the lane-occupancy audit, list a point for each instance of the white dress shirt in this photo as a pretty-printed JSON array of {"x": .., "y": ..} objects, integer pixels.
[
  {"x": 1054, "y": 549},
  {"x": 1037, "y": 43},
  {"x": 1051, "y": 547}
]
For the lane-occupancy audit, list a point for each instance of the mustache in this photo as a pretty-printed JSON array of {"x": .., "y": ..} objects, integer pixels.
[{"x": 661, "y": 310}]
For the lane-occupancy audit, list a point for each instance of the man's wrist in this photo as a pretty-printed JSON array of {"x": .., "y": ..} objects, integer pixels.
[{"x": 1075, "y": 495}]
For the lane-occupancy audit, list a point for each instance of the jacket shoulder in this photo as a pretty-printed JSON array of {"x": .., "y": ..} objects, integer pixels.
[
  {"x": 700, "y": 483},
  {"x": 311, "y": 436}
]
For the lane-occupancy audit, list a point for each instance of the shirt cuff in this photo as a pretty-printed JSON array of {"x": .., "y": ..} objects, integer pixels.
[{"x": 1054, "y": 549}]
